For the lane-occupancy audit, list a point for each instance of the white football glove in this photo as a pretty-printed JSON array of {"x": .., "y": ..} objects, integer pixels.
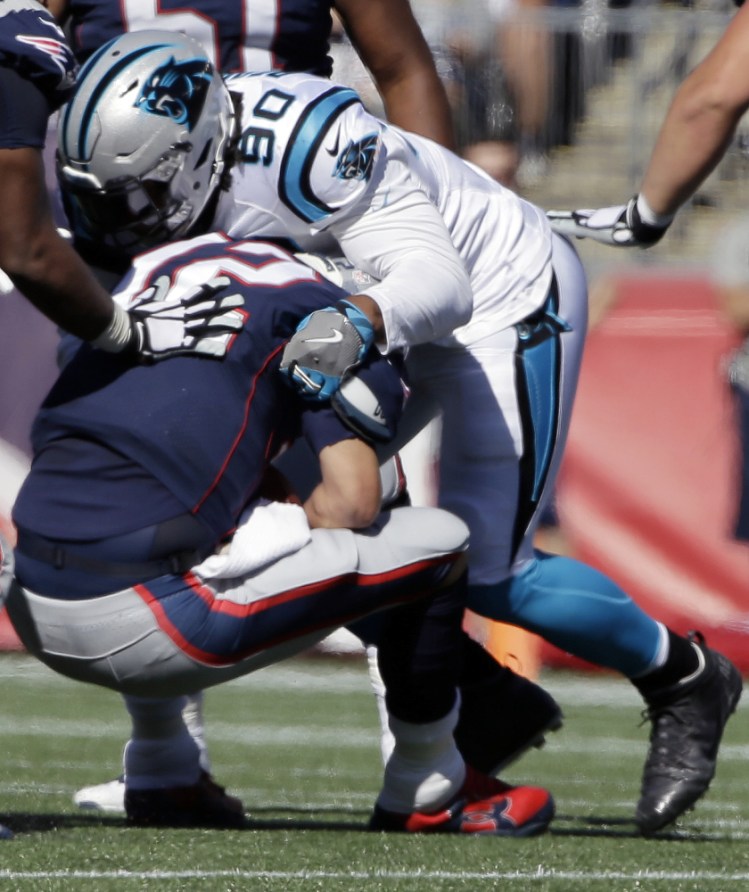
[
  {"x": 201, "y": 322},
  {"x": 620, "y": 225}
]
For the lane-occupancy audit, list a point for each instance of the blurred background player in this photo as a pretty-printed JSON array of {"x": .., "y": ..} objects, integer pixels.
[
  {"x": 696, "y": 132},
  {"x": 493, "y": 310},
  {"x": 189, "y": 576}
]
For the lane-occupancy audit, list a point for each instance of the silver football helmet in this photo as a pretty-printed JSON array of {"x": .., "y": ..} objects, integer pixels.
[{"x": 142, "y": 143}]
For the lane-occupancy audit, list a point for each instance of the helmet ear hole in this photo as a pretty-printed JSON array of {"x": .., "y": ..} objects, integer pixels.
[{"x": 141, "y": 144}]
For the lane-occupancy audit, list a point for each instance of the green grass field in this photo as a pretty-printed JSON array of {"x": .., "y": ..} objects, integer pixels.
[{"x": 298, "y": 743}]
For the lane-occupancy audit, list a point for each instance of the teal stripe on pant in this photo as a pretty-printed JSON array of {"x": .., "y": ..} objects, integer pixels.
[{"x": 537, "y": 368}]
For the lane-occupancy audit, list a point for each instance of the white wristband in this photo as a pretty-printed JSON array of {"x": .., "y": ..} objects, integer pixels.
[
  {"x": 118, "y": 334},
  {"x": 649, "y": 216}
]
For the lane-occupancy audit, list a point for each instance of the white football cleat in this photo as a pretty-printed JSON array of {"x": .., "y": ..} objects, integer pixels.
[{"x": 109, "y": 797}]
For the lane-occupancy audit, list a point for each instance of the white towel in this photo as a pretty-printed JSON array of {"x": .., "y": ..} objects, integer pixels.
[{"x": 266, "y": 532}]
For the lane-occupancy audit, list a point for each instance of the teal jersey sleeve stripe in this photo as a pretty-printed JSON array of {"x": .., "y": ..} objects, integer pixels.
[{"x": 294, "y": 188}]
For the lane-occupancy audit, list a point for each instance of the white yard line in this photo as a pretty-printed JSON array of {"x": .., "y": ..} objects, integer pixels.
[{"x": 540, "y": 873}]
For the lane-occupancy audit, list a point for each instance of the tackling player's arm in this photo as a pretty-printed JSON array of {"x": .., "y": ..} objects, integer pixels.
[
  {"x": 419, "y": 289},
  {"x": 401, "y": 64},
  {"x": 421, "y": 293},
  {"x": 422, "y": 290}
]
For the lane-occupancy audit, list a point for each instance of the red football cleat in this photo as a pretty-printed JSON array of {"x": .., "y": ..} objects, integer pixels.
[{"x": 484, "y": 806}]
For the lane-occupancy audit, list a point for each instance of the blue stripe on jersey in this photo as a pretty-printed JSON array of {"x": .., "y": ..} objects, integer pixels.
[
  {"x": 294, "y": 187},
  {"x": 98, "y": 91}
]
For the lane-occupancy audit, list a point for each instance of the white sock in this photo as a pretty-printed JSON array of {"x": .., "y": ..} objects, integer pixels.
[
  {"x": 387, "y": 741},
  {"x": 425, "y": 770},
  {"x": 192, "y": 713},
  {"x": 161, "y": 752}
]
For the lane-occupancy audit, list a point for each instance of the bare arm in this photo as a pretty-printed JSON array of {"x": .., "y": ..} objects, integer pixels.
[
  {"x": 58, "y": 8},
  {"x": 41, "y": 264},
  {"x": 349, "y": 495},
  {"x": 390, "y": 42},
  {"x": 701, "y": 121}
]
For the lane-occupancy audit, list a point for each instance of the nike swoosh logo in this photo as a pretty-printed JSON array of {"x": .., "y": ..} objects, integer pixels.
[
  {"x": 335, "y": 337},
  {"x": 334, "y": 151}
]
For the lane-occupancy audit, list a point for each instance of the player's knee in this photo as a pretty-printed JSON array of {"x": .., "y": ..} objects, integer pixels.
[{"x": 434, "y": 528}]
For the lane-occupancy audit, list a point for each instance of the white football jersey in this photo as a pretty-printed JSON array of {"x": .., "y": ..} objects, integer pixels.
[{"x": 457, "y": 255}]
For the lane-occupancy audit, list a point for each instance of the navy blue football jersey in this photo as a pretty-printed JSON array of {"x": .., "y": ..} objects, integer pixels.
[
  {"x": 32, "y": 44},
  {"x": 119, "y": 445},
  {"x": 37, "y": 72},
  {"x": 239, "y": 35}
]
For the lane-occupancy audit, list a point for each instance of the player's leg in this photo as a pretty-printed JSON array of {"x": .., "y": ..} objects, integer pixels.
[
  {"x": 502, "y": 714},
  {"x": 487, "y": 688},
  {"x": 166, "y": 781},
  {"x": 187, "y": 794},
  {"x": 530, "y": 372},
  {"x": 479, "y": 480},
  {"x": 427, "y": 786},
  {"x": 583, "y": 612},
  {"x": 109, "y": 797},
  {"x": 172, "y": 634}
]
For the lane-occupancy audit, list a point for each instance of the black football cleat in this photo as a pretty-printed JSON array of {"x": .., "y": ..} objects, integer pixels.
[
  {"x": 501, "y": 718},
  {"x": 484, "y": 806},
  {"x": 204, "y": 804},
  {"x": 688, "y": 722}
]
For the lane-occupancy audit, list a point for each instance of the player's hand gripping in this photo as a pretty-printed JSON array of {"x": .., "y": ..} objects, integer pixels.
[
  {"x": 201, "y": 321},
  {"x": 621, "y": 225},
  {"x": 326, "y": 345}
]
